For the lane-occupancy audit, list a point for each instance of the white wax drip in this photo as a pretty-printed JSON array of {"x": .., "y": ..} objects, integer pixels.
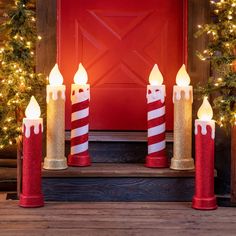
[
  {"x": 188, "y": 91},
  {"x": 158, "y": 92},
  {"x": 28, "y": 123},
  {"x": 54, "y": 90},
  {"x": 204, "y": 125},
  {"x": 80, "y": 96}
]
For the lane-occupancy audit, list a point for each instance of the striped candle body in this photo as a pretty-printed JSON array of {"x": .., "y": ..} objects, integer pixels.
[
  {"x": 156, "y": 127},
  {"x": 80, "y": 97}
]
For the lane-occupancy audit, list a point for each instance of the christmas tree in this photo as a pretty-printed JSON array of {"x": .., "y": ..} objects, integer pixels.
[
  {"x": 18, "y": 79},
  {"x": 221, "y": 52}
]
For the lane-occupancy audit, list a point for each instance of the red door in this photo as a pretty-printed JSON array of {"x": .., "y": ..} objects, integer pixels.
[{"x": 118, "y": 42}]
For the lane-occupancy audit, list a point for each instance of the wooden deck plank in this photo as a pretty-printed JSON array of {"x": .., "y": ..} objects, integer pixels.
[
  {"x": 115, "y": 219},
  {"x": 104, "y": 170},
  {"x": 114, "y": 232},
  {"x": 117, "y": 170},
  {"x": 8, "y": 163}
]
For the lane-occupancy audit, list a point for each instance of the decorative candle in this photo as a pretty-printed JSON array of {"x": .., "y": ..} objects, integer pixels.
[
  {"x": 80, "y": 96},
  {"x": 55, "y": 159},
  {"x": 31, "y": 195},
  {"x": 204, "y": 198},
  {"x": 182, "y": 98},
  {"x": 156, "y": 120}
]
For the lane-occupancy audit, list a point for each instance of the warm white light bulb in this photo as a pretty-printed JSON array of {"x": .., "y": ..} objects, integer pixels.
[
  {"x": 81, "y": 76},
  {"x": 55, "y": 76},
  {"x": 33, "y": 109},
  {"x": 155, "y": 77},
  {"x": 205, "y": 111},
  {"x": 182, "y": 77}
]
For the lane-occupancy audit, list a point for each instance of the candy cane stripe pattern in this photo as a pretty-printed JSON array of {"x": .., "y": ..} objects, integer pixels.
[
  {"x": 80, "y": 97},
  {"x": 156, "y": 123}
]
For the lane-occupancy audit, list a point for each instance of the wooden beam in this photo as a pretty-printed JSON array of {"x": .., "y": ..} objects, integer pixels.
[
  {"x": 46, "y": 26},
  {"x": 233, "y": 164},
  {"x": 198, "y": 14}
]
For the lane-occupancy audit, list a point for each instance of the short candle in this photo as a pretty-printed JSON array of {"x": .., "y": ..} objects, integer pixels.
[
  {"x": 204, "y": 197},
  {"x": 80, "y": 97},
  {"x": 31, "y": 195},
  {"x": 156, "y": 93}
]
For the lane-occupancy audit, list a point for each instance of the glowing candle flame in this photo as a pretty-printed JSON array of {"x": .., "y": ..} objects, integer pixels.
[
  {"x": 81, "y": 76},
  {"x": 182, "y": 78},
  {"x": 55, "y": 76},
  {"x": 33, "y": 109},
  {"x": 155, "y": 77},
  {"x": 205, "y": 111}
]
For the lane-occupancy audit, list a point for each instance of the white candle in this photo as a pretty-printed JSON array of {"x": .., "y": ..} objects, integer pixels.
[
  {"x": 32, "y": 119},
  {"x": 205, "y": 114},
  {"x": 182, "y": 98},
  {"x": 55, "y": 159}
]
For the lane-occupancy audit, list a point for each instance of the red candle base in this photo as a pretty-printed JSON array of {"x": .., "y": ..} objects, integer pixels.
[
  {"x": 204, "y": 203},
  {"x": 79, "y": 160},
  {"x": 31, "y": 201},
  {"x": 156, "y": 162}
]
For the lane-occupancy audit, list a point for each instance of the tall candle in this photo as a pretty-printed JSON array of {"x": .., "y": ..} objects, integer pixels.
[
  {"x": 55, "y": 159},
  {"x": 80, "y": 97},
  {"x": 182, "y": 98},
  {"x": 204, "y": 197},
  {"x": 156, "y": 93},
  {"x": 31, "y": 195}
]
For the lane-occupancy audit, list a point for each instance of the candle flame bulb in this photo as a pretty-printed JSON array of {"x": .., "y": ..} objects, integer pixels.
[
  {"x": 33, "y": 109},
  {"x": 81, "y": 76},
  {"x": 155, "y": 77},
  {"x": 182, "y": 78},
  {"x": 55, "y": 76},
  {"x": 205, "y": 112}
]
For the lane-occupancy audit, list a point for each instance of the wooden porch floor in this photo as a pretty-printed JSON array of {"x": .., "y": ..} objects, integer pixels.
[{"x": 112, "y": 219}]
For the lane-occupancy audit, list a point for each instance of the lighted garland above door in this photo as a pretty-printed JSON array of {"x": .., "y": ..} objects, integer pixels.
[{"x": 118, "y": 42}]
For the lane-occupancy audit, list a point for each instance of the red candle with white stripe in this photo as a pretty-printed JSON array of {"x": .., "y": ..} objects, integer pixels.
[
  {"x": 204, "y": 197},
  {"x": 31, "y": 195},
  {"x": 80, "y": 97},
  {"x": 156, "y": 120}
]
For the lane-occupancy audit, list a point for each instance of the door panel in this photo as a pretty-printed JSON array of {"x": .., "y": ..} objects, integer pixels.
[{"x": 118, "y": 43}]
